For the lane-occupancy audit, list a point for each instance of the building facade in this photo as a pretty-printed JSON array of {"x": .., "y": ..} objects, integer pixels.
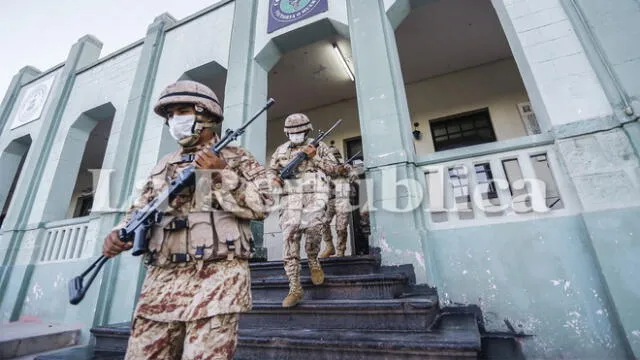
[{"x": 457, "y": 104}]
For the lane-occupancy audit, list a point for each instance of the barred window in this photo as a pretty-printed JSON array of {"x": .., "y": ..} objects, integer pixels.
[{"x": 462, "y": 130}]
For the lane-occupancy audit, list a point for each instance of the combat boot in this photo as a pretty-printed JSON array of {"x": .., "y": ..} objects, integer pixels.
[
  {"x": 328, "y": 251},
  {"x": 294, "y": 297},
  {"x": 342, "y": 243},
  {"x": 317, "y": 275}
]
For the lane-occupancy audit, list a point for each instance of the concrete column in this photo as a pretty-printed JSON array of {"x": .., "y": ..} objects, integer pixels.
[
  {"x": 565, "y": 91},
  {"x": 10, "y": 160},
  {"x": 617, "y": 65},
  {"x": 246, "y": 87},
  {"x": 23, "y": 76},
  {"x": 116, "y": 303},
  {"x": 385, "y": 122},
  {"x": 14, "y": 277},
  {"x": 586, "y": 101},
  {"x": 245, "y": 94},
  {"x": 389, "y": 152}
]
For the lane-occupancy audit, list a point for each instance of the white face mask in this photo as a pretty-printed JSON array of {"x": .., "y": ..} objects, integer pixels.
[
  {"x": 297, "y": 138},
  {"x": 180, "y": 126}
]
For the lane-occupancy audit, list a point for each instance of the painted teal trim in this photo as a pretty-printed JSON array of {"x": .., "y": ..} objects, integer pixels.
[
  {"x": 136, "y": 114},
  {"x": 24, "y": 284},
  {"x": 614, "y": 316},
  {"x": 31, "y": 226},
  {"x": 519, "y": 143},
  {"x": 41, "y": 150},
  {"x": 51, "y": 130},
  {"x": 584, "y": 127},
  {"x": 614, "y": 90},
  {"x": 632, "y": 129},
  {"x": 69, "y": 222},
  {"x": 45, "y": 73},
  {"x": 382, "y": 104},
  {"x": 524, "y": 67},
  {"x": 199, "y": 14},
  {"x": 110, "y": 56},
  {"x": 11, "y": 96}
]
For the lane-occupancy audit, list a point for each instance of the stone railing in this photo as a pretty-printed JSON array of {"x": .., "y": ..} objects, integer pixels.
[
  {"x": 510, "y": 180},
  {"x": 64, "y": 240}
]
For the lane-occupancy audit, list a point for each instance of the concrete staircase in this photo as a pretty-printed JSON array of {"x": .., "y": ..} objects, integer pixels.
[
  {"x": 362, "y": 311},
  {"x": 24, "y": 340}
]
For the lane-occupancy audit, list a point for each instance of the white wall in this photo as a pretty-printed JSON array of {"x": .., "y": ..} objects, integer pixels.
[
  {"x": 107, "y": 82},
  {"x": 561, "y": 71}
]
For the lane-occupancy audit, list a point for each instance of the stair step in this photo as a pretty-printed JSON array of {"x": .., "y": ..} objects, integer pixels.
[
  {"x": 112, "y": 338},
  {"x": 81, "y": 353},
  {"x": 349, "y": 287},
  {"x": 27, "y": 338},
  {"x": 348, "y": 265},
  {"x": 286, "y": 344},
  {"x": 388, "y": 314}
]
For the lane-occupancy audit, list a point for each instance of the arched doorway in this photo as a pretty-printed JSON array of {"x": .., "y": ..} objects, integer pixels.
[
  {"x": 314, "y": 74},
  {"x": 11, "y": 162}
]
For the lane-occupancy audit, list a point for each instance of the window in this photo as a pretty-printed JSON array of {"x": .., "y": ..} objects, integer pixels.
[
  {"x": 462, "y": 130},
  {"x": 460, "y": 182},
  {"x": 83, "y": 206},
  {"x": 352, "y": 146}
]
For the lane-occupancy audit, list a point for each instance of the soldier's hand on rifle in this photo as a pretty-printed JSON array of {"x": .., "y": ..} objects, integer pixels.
[
  {"x": 113, "y": 246},
  {"x": 277, "y": 182},
  {"x": 207, "y": 159},
  {"x": 310, "y": 150},
  {"x": 343, "y": 170}
]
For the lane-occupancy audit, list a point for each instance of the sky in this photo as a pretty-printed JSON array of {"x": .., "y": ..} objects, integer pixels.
[{"x": 40, "y": 33}]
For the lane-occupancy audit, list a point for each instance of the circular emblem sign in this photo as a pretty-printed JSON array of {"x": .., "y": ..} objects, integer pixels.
[
  {"x": 33, "y": 102},
  {"x": 291, "y": 10}
]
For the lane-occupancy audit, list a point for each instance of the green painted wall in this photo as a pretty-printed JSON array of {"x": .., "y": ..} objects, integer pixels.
[{"x": 541, "y": 275}]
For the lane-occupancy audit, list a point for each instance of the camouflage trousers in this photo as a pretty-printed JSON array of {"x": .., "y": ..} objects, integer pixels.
[
  {"x": 337, "y": 207},
  {"x": 301, "y": 214},
  {"x": 213, "y": 338}
]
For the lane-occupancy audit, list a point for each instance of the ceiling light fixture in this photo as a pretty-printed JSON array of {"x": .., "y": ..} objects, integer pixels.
[{"x": 344, "y": 62}]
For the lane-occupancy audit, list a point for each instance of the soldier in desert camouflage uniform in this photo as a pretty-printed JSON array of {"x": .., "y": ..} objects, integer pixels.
[
  {"x": 303, "y": 202},
  {"x": 198, "y": 279},
  {"x": 339, "y": 206}
]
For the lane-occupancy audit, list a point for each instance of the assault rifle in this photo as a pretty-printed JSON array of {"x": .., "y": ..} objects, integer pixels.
[
  {"x": 349, "y": 160},
  {"x": 289, "y": 170},
  {"x": 137, "y": 228}
]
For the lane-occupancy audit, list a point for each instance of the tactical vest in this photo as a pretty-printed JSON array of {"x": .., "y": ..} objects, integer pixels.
[
  {"x": 309, "y": 178},
  {"x": 183, "y": 235}
]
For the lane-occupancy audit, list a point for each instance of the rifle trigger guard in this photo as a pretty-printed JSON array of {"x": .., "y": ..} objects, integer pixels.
[{"x": 158, "y": 217}]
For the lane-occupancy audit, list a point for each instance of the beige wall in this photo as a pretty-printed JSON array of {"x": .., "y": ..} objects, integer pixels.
[{"x": 496, "y": 86}]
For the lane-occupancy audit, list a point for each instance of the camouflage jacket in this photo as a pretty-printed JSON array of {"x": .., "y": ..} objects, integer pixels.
[
  {"x": 323, "y": 161},
  {"x": 196, "y": 289},
  {"x": 341, "y": 184}
]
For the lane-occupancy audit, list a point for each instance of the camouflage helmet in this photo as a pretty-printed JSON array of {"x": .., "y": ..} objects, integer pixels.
[
  {"x": 296, "y": 123},
  {"x": 189, "y": 92}
]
